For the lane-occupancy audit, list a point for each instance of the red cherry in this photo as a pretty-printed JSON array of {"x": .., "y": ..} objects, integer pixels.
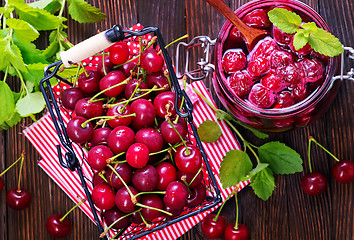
[
  {"x": 108, "y": 66},
  {"x": 188, "y": 161},
  {"x": 166, "y": 174},
  {"x": 120, "y": 139},
  {"x": 100, "y": 136},
  {"x": 57, "y": 228},
  {"x": 119, "y": 53},
  {"x": 18, "y": 199},
  {"x": 312, "y": 69},
  {"x": 103, "y": 196},
  {"x": 97, "y": 180},
  {"x": 273, "y": 82},
  {"x": 151, "y": 137},
  {"x": 124, "y": 201},
  {"x": 87, "y": 109},
  {"x": 313, "y": 183},
  {"x": 145, "y": 179},
  {"x": 151, "y": 200},
  {"x": 125, "y": 172},
  {"x": 284, "y": 99},
  {"x": 129, "y": 89},
  {"x": 258, "y": 67},
  {"x": 234, "y": 60},
  {"x": 164, "y": 104},
  {"x": 343, "y": 171},
  {"x": 280, "y": 59},
  {"x": 196, "y": 196},
  {"x": 241, "y": 83},
  {"x": 151, "y": 61},
  {"x": 241, "y": 233},
  {"x": 235, "y": 35},
  {"x": 112, "y": 215},
  {"x": 119, "y": 113},
  {"x": 126, "y": 68},
  {"x": 263, "y": 49},
  {"x": 170, "y": 135},
  {"x": 261, "y": 96},
  {"x": 282, "y": 37},
  {"x": 176, "y": 195},
  {"x": 99, "y": 156},
  {"x": 145, "y": 113},
  {"x": 111, "y": 79},
  {"x": 257, "y": 18},
  {"x": 70, "y": 97},
  {"x": 89, "y": 83},
  {"x": 77, "y": 133},
  {"x": 137, "y": 155},
  {"x": 158, "y": 79},
  {"x": 213, "y": 229}
]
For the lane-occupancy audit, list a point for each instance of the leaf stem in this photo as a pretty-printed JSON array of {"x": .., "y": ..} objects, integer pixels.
[{"x": 252, "y": 150}]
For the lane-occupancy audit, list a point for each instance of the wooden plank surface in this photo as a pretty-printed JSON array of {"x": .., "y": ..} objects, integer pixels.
[{"x": 288, "y": 214}]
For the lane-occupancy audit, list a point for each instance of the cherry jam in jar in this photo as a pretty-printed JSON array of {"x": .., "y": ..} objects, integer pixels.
[{"x": 273, "y": 87}]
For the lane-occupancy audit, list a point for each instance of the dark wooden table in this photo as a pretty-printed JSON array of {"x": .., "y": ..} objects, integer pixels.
[{"x": 288, "y": 214}]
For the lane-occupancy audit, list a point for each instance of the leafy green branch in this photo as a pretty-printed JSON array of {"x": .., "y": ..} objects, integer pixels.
[
  {"x": 22, "y": 24},
  {"x": 271, "y": 157}
]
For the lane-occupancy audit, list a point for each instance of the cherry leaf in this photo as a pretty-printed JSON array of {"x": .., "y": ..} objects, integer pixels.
[
  {"x": 83, "y": 12},
  {"x": 209, "y": 131},
  {"x": 7, "y": 102},
  {"x": 285, "y": 20},
  {"x": 300, "y": 40},
  {"x": 234, "y": 166},
  {"x": 263, "y": 184},
  {"x": 32, "y": 103},
  {"x": 281, "y": 158}
]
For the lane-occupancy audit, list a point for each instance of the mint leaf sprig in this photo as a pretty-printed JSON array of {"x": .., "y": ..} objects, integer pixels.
[
  {"x": 271, "y": 158},
  {"x": 21, "y": 24},
  {"x": 320, "y": 40}
]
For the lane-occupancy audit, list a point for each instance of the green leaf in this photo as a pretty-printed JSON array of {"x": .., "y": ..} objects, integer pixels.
[
  {"x": 285, "y": 20},
  {"x": 12, "y": 121},
  {"x": 23, "y": 30},
  {"x": 41, "y": 4},
  {"x": 209, "y": 131},
  {"x": 51, "y": 50},
  {"x": 10, "y": 56},
  {"x": 38, "y": 18},
  {"x": 235, "y": 165},
  {"x": 325, "y": 43},
  {"x": 263, "y": 184},
  {"x": 254, "y": 171},
  {"x": 7, "y": 102},
  {"x": 281, "y": 158},
  {"x": 32, "y": 103},
  {"x": 29, "y": 52},
  {"x": 310, "y": 26},
  {"x": 35, "y": 72},
  {"x": 83, "y": 12},
  {"x": 300, "y": 40},
  {"x": 53, "y": 7}
]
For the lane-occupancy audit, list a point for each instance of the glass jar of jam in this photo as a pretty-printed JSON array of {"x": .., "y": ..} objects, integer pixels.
[{"x": 273, "y": 87}]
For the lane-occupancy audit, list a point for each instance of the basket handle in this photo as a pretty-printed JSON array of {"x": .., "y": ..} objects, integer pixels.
[{"x": 91, "y": 46}]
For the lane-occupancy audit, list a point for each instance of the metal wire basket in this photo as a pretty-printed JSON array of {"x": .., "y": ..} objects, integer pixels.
[{"x": 71, "y": 159}]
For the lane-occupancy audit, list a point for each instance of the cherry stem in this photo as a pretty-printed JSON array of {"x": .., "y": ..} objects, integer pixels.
[
  {"x": 221, "y": 207},
  {"x": 66, "y": 214},
  {"x": 152, "y": 208},
  {"x": 142, "y": 218},
  {"x": 84, "y": 124},
  {"x": 195, "y": 176},
  {"x": 109, "y": 88},
  {"x": 155, "y": 192},
  {"x": 133, "y": 99},
  {"x": 174, "y": 41},
  {"x": 104, "y": 64},
  {"x": 165, "y": 150},
  {"x": 119, "y": 219},
  {"x": 162, "y": 160},
  {"x": 109, "y": 160},
  {"x": 7, "y": 169},
  {"x": 131, "y": 96},
  {"x": 83, "y": 68},
  {"x": 167, "y": 75},
  {"x": 133, "y": 199},
  {"x": 103, "y": 177},
  {"x": 206, "y": 100},
  {"x": 325, "y": 149},
  {"x": 184, "y": 142},
  {"x": 309, "y": 154},
  {"x": 118, "y": 162},
  {"x": 236, "y": 202},
  {"x": 23, "y": 154}
]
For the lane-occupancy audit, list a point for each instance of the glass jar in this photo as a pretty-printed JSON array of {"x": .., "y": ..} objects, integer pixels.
[{"x": 281, "y": 119}]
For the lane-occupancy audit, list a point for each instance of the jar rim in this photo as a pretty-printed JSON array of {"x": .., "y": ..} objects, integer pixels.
[{"x": 301, "y": 106}]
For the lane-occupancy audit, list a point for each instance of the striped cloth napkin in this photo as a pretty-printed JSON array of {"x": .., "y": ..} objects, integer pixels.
[{"x": 44, "y": 138}]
